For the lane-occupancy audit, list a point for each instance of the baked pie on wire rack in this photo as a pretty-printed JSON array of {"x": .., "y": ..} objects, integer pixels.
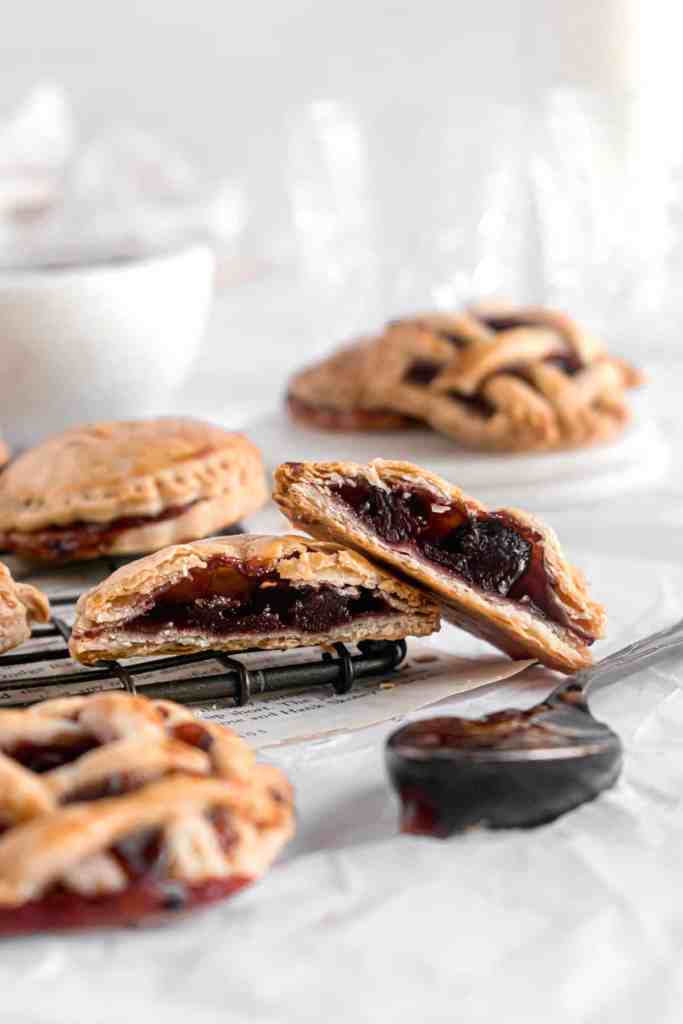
[
  {"x": 125, "y": 488},
  {"x": 500, "y": 575},
  {"x": 494, "y": 377},
  {"x": 244, "y": 593},
  {"x": 116, "y": 809}
]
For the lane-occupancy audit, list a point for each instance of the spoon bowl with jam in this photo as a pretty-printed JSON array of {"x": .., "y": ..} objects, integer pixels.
[{"x": 512, "y": 768}]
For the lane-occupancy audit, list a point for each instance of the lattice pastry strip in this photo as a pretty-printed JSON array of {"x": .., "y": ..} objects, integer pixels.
[
  {"x": 496, "y": 377},
  {"x": 106, "y": 800}
]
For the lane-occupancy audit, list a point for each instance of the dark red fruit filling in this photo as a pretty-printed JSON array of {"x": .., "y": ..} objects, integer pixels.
[
  {"x": 225, "y": 600},
  {"x": 142, "y": 858},
  {"x": 485, "y": 550},
  {"x": 62, "y": 910},
  {"x": 44, "y": 758},
  {"x": 422, "y": 372},
  {"x": 482, "y": 550},
  {"x": 81, "y": 539}
]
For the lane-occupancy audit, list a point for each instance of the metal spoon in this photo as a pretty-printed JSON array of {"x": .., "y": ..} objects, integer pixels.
[{"x": 516, "y": 768}]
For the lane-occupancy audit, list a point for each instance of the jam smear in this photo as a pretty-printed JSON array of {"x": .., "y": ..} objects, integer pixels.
[
  {"x": 486, "y": 550},
  {"x": 148, "y": 898},
  {"x": 81, "y": 539},
  {"x": 227, "y": 600}
]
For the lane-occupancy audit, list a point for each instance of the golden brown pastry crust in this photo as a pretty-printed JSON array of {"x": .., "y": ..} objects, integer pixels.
[
  {"x": 496, "y": 377},
  {"x": 102, "y": 473},
  {"x": 302, "y": 492},
  {"x": 20, "y": 605},
  {"x": 175, "y": 771},
  {"x": 100, "y": 630},
  {"x": 330, "y": 395}
]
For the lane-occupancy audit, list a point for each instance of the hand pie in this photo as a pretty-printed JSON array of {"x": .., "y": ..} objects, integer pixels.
[
  {"x": 330, "y": 395},
  {"x": 20, "y": 605},
  {"x": 127, "y": 488},
  {"x": 500, "y": 575},
  {"x": 496, "y": 377},
  {"x": 117, "y": 809},
  {"x": 242, "y": 593}
]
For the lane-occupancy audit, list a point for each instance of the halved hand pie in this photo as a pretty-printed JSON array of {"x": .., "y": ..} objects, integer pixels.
[
  {"x": 117, "y": 809},
  {"x": 246, "y": 592},
  {"x": 127, "y": 488},
  {"x": 500, "y": 575},
  {"x": 20, "y": 605}
]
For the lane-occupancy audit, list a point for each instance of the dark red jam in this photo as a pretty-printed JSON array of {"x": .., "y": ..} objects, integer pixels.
[
  {"x": 509, "y": 729},
  {"x": 486, "y": 550},
  {"x": 144, "y": 900},
  {"x": 483, "y": 550},
  {"x": 243, "y": 603},
  {"x": 44, "y": 758},
  {"x": 81, "y": 539}
]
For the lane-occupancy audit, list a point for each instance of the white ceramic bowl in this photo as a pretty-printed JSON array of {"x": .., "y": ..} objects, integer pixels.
[{"x": 106, "y": 341}]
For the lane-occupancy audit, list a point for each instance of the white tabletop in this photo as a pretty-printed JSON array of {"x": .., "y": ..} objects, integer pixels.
[{"x": 580, "y": 920}]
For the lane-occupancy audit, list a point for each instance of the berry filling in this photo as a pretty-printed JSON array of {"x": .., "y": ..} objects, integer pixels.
[
  {"x": 484, "y": 549},
  {"x": 224, "y": 599}
]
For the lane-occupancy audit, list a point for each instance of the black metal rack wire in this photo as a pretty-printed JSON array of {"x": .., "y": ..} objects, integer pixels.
[{"x": 231, "y": 680}]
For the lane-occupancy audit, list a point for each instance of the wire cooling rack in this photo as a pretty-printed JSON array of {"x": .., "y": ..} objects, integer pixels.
[{"x": 42, "y": 667}]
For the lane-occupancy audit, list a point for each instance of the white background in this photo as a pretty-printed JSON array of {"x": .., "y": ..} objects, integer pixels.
[{"x": 221, "y": 77}]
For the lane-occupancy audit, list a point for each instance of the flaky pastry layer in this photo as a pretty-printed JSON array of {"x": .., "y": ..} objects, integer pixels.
[
  {"x": 101, "y": 629},
  {"x": 303, "y": 492}
]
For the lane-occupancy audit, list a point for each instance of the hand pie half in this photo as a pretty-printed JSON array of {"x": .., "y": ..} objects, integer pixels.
[
  {"x": 245, "y": 592},
  {"x": 500, "y": 575}
]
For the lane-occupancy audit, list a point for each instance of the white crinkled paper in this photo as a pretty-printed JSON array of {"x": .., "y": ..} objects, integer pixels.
[{"x": 579, "y": 921}]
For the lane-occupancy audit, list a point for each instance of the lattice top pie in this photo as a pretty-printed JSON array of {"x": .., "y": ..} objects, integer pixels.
[
  {"x": 115, "y": 809},
  {"x": 127, "y": 487},
  {"x": 20, "y": 605},
  {"x": 493, "y": 377}
]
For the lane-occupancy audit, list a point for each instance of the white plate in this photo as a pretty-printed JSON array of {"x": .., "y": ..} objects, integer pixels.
[{"x": 637, "y": 459}]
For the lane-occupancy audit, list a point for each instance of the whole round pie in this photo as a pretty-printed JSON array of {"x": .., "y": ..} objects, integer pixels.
[
  {"x": 116, "y": 809},
  {"x": 20, "y": 605},
  {"x": 496, "y": 377},
  {"x": 127, "y": 488}
]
